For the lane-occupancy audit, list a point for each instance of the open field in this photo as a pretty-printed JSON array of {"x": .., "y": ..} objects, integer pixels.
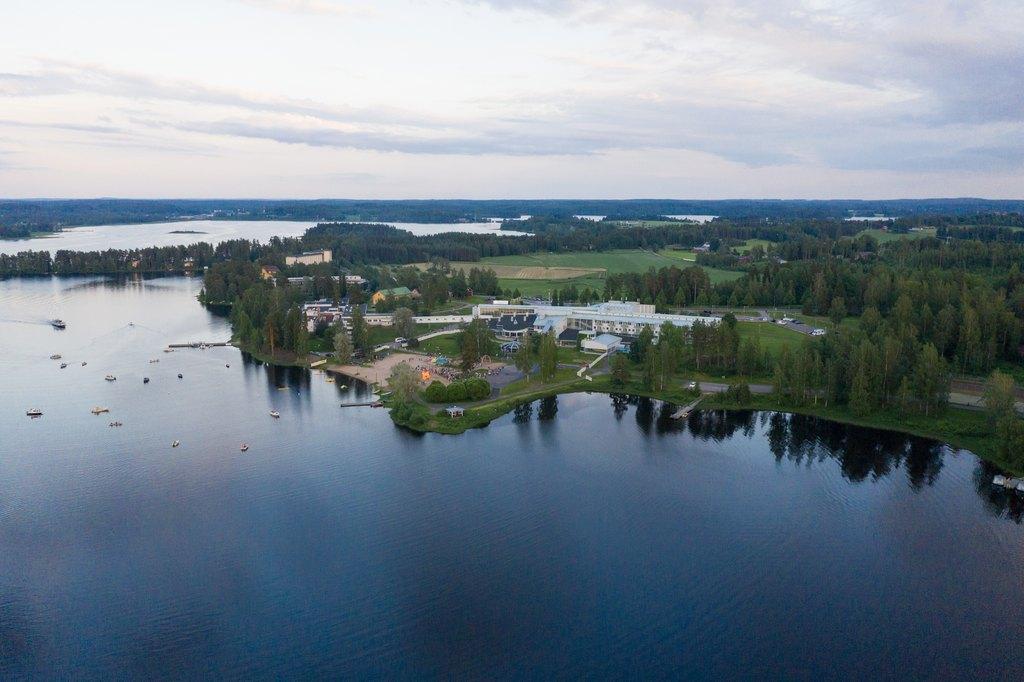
[
  {"x": 751, "y": 243},
  {"x": 685, "y": 255},
  {"x": 524, "y": 271},
  {"x": 773, "y": 337},
  {"x": 884, "y": 236}
]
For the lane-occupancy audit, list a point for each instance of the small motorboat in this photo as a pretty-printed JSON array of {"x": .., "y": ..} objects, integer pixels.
[
  {"x": 145, "y": 380},
  {"x": 34, "y": 412},
  {"x": 243, "y": 447},
  {"x": 116, "y": 424},
  {"x": 55, "y": 356},
  {"x": 344, "y": 385},
  {"x": 99, "y": 410},
  {"x": 330, "y": 380},
  {"x": 156, "y": 360},
  {"x": 58, "y": 324},
  {"x": 63, "y": 365},
  {"x": 175, "y": 444},
  {"x": 168, "y": 350},
  {"x": 84, "y": 363},
  {"x": 275, "y": 414},
  {"x": 228, "y": 366},
  {"x": 179, "y": 375},
  {"x": 110, "y": 377}
]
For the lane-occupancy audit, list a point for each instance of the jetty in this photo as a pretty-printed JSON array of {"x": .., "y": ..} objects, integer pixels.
[
  {"x": 199, "y": 344},
  {"x": 684, "y": 412},
  {"x": 371, "y": 403}
]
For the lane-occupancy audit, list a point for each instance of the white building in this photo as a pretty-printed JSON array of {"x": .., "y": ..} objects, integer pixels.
[
  {"x": 614, "y": 317},
  {"x": 309, "y": 258},
  {"x": 602, "y": 343}
]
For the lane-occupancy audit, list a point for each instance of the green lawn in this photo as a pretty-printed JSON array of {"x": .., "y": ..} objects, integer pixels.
[
  {"x": 883, "y": 236},
  {"x": 686, "y": 256},
  {"x": 772, "y": 336},
  {"x": 617, "y": 261},
  {"x": 441, "y": 345},
  {"x": 751, "y": 243}
]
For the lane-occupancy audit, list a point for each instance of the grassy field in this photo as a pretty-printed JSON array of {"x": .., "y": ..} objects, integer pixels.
[
  {"x": 883, "y": 236},
  {"x": 751, "y": 243},
  {"x": 625, "y": 260},
  {"x": 772, "y": 336}
]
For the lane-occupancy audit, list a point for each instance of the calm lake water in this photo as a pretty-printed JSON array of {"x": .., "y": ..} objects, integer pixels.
[
  {"x": 583, "y": 535},
  {"x": 102, "y": 237}
]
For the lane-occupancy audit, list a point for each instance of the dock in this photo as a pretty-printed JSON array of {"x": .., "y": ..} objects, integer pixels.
[
  {"x": 199, "y": 344},
  {"x": 371, "y": 403},
  {"x": 684, "y": 412}
]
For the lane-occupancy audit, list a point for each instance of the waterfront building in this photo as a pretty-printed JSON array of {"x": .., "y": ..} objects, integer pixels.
[{"x": 309, "y": 258}]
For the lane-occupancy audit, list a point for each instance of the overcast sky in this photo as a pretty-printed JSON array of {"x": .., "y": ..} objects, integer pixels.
[{"x": 512, "y": 98}]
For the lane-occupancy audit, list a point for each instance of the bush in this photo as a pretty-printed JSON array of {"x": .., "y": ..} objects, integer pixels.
[
  {"x": 477, "y": 389},
  {"x": 456, "y": 392},
  {"x": 436, "y": 392},
  {"x": 738, "y": 394}
]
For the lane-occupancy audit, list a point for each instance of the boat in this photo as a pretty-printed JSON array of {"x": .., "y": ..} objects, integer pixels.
[
  {"x": 999, "y": 480},
  {"x": 179, "y": 375},
  {"x": 58, "y": 324},
  {"x": 330, "y": 380},
  {"x": 175, "y": 444},
  {"x": 228, "y": 366},
  {"x": 99, "y": 410},
  {"x": 84, "y": 363},
  {"x": 243, "y": 447},
  {"x": 55, "y": 356},
  {"x": 63, "y": 365},
  {"x": 377, "y": 404},
  {"x": 110, "y": 377},
  {"x": 344, "y": 385},
  {"x": 145, "y": 380},
  {"x": 275, "y": 414},
  {"x": 155, "y": 360},
  {"x": 115, "y": 424},
  {"x": 34, "y": 412},
  {"x": 168, "y": 350}
]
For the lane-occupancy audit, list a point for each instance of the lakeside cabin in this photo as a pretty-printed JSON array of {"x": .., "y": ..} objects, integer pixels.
[{"x": 454, "y": 411}]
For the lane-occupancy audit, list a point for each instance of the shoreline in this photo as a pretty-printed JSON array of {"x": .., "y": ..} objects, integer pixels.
[{"x": 957, "y": 427}]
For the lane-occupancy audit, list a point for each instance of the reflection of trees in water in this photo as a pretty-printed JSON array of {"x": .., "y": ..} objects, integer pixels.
[
  {"x": 548, "y": 408},
  {"x": 522, "y": 413},
  {"x": 620, "y": 403},
  {"x": 861, "y": 452},
  {"x": 997, "y": 500}
]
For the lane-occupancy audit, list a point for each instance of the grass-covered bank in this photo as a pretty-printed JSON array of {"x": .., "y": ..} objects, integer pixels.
[{"x": 960, "y": 428}]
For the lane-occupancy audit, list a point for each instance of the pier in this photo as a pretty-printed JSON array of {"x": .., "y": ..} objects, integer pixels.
[
  {"x": 684, "y": 412},
  {"x": 199, "y": 344}
]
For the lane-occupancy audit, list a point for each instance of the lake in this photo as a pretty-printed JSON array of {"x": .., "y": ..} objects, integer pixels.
[
  {"x": 584, "y": 535},
  {"x": 100, "y": 237}
]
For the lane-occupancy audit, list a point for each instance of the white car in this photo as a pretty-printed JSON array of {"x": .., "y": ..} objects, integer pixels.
[
  {"x": 818, "y": 332},
  {"x": 692, "y": 385}
]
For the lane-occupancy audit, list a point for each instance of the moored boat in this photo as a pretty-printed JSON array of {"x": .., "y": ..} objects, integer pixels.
[
  {"x": 55, "y": 356},
  {"x": 34, "y": 412},
  {"x": 275, "y": 414},
  {"x": 63, "y": 365},
  {"x": 58, "y": 324},
  {"x": 243, "y": 447},
  {"x": 99, "y": 410},
  {"x": 110, "y": 377},
  {"x": 145, "y": 380}
]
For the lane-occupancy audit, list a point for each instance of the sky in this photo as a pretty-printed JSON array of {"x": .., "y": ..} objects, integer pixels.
[{"x": 387, "y": 99}]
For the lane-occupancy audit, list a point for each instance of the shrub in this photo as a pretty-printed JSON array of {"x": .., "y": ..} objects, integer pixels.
[
  {"x": 456, "y": 391},
  {"x": 436, "y": 392}
]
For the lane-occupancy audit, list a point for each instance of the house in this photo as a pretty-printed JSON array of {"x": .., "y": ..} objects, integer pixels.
[
  {"x": 309, "y": 258},
  {"x": 602, "y": 343},
  {"x": 396, "y": 292},
  {"x": 454, "y": 411},
  {"x": 269, "y": 272},
  {"x": 355, "y": 280},
  {"x": 703, "y": 248}
]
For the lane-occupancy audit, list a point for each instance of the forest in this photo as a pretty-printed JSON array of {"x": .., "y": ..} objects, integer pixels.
[{"x": 21, "y": 218}]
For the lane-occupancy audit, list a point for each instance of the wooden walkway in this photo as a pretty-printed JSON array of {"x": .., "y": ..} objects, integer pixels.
[{"x": 684, "y": 412}]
